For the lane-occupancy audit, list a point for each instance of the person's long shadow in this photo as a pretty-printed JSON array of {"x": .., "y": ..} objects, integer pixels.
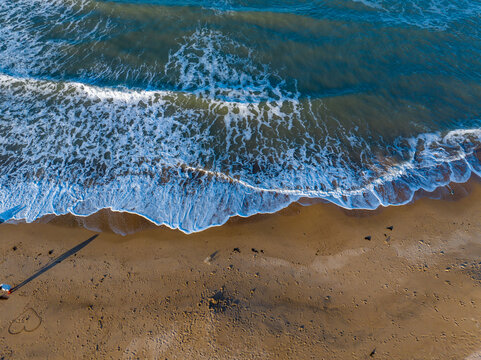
[{"x": 54, "y": 262}]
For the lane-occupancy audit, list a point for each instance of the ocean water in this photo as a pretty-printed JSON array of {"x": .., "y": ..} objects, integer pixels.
[{"x": 189, "y": 112}]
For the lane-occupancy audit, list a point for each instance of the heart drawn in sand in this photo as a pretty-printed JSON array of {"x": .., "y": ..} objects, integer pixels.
[{"x": 28, "y": 321}]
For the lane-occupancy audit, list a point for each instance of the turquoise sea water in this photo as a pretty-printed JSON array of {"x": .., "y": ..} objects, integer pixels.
[{"x": 190, "y": 112}]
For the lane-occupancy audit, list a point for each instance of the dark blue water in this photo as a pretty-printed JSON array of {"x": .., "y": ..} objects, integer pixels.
[{"x": 190, "y": 112}]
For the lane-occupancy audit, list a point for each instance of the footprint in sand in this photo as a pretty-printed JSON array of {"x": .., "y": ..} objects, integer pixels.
[{"x": 28, "y": 321}]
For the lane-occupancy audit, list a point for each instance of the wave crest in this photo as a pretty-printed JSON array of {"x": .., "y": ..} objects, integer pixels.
[{"x": 73, "y": 148}]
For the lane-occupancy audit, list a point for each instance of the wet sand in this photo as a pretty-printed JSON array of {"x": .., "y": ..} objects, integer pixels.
[{"x": 314, "y": 282}]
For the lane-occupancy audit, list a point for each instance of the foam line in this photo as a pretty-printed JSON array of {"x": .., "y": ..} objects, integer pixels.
[
  {"x": 75, "y": 148},
  {"x": 230, "y": 137}
]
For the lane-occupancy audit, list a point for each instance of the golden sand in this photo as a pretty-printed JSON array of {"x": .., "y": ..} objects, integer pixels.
[{"x": 314, "y": 282}]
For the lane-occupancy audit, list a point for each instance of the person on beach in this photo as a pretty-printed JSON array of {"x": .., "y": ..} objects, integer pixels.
[{"x": 5, "y": 288}]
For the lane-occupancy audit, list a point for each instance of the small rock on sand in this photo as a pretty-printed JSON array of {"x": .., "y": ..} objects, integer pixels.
[{"x": 211, "y": 257}]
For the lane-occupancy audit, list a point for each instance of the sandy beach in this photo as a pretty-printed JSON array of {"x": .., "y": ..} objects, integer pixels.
[{"x": 309, "y": 282}]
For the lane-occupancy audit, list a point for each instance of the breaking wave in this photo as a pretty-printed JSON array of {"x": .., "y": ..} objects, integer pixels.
[
  {"x": 74, "y": 148},
  {"x": 210, "y": 133}
]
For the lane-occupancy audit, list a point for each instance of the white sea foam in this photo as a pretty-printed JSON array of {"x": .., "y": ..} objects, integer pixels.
[
  {"x": 431, "y": 14},
  {"x": 70, "y": 147},
  {"x": 47, "y": 38},
  {"x": 232, "y": 139},
  {"x": 25, "y": 46}
]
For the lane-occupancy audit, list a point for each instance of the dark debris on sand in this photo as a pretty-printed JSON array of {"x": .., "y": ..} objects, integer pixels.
[{"x": 220, "y": 302}]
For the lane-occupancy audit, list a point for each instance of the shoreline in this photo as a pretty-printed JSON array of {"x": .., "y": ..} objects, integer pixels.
[
  {"x": 127, "y": 223},
  {"x": 305, "y": 282},
  {"x": 365, "y": 197}
]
